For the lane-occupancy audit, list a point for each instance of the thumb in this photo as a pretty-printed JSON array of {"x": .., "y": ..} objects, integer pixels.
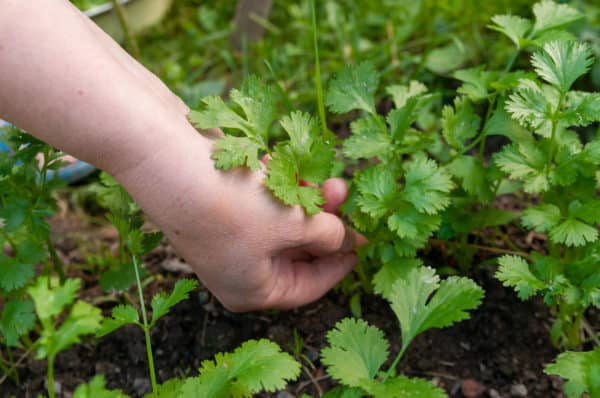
[
  {"x": 326, "y": 234},
  {"x": 335, "y": 191}
]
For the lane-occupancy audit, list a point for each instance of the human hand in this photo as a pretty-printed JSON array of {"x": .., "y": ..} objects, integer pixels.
[{"x": 250, "y": 250}]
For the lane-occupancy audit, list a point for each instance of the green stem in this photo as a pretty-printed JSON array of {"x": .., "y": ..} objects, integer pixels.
[
  {"x": 553, "y": 135},
  {"x": 318, "y": 82},
  {"x": 58, "y": 265},
  {"x": 490, "y": 249},
  {"x": 146, "y": 327},
  {"x": 13, "y": 367},
  {"x": 50, "y": 377},
  {"x": 135, "y": 50},
  {"x": 395, "y": 363},
  {"x": 7, "y": 371}
]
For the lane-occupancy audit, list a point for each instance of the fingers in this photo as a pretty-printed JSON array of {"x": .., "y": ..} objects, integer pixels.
[
  {"x": 326, "y": 234},
  {"x": 335, "y": 191},
  {"x": 302, "y": 282}
]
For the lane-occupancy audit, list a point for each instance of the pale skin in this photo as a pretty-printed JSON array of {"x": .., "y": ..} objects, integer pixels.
[{"x": 65, "y": 81}]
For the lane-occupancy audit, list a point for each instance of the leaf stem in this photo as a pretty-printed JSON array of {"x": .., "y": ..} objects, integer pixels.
[
  {"x": 146, "y": 327},
  {"x": 396, "y": 361},
  {"x": 125, "y": 26},
  {"x": 318, "y": 82},
  {"x": 13, "y": 367},
  {"x": 58, "y": 265},
  {"x": 50, "y": 377},
  {"x": 553, "y": 135},
  {"x": 490, "y": 249}
]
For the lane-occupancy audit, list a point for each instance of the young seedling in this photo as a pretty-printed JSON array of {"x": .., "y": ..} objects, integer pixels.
[
  {"x": 581, "y": 370},
  {"x": 50, "y": 299}
]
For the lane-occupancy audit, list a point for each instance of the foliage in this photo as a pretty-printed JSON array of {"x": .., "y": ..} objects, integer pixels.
[
  {"x": 357, "y": 350},
  {"x": 581, "y": 370}
]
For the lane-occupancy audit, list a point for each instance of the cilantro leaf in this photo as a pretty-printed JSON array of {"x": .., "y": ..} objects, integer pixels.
[
  {"x": 476, "y": 82},
  {"x": 353, "y": 88},
  {"x": 257, "y": 365},
  {"x": 162, "y": 303},
  {"x": 356, "y": 352},
  {"x": 14, "y": 274},
  {"x": 426, "y": 185},
  {"x": 121, "y": 315},
  {"x": 514, "y": 272},
  {"x": 514, "y": 27},
  {"x": 402, "y": 387},
  {"x": 473, "y": 176},
  {"x": 460, "y": 125},
  {"x": 377, "y": 190},
  {"x": 421, "y": 302},
  {"x": 401, "y": 94},
  {"x": 582, "y": 108},
  {"x": 573, "y": 232},
  {"x": 96, "y": 388},
  {"x": 542, "y": 218},
  {"x": 50, "y": 298},
  {"x": 17, "y": 320},
  {"x": 550, "y": 15},
  {"x": 283, "y": 181},
  {"x": 412, "y": 225},
  {"x": 367, "y": 140},
  {"x": 233, "y": 152},
  {"x": 384, "y": 279},
  {"x": 529, "y": 106},
  {"x": 526, "y": 162},
  {"x": 580, "y": 369},
  {"x": 82, "y": 319},
  {"x": 562, "y": 62}
]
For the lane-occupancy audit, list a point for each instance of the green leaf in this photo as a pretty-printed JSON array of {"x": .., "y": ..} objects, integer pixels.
[
  {"x": 514, "y": 27},
  {"x": 421, "y": 302},
  {"x": 526, "y": 162},
  {"x": 17, "y": 320},
  {"x": 96, "y": 388},
  {"x": 162, "y": 304},
  {"x": 529, "y": 106},
  {"x": 514, "y": 272},
  {"x": 562, "y": 62},
  {"x": 580, "y": 369},
  {"x": 445, "y": 59},
  {"x": 400, "y": 94},
  {"x": 367, "y": 140},
  {"x": 473, "y": 176},
  {"x": 357, "y": 351},
  {"x": 476, "y": 82},
  {"x": 253, "y": 367},
  {"x": 426, "y": 185},
  {"x": 50, "y": 298},
  {"x": 83, "y": 319},
  {"x": 459, "y": 126},
  {"x": 283, "y": 180},
  {"x": 14, "y": 274},
  {"x": 550, "y": 15},
  {"x": 582, "y": 108},
  {"x": 390, "y": 272},
  {"x": 412, "y": 225},
  {"x": 377, "y": 189},
  {"x": 121, "y": 315},
  {"x": 573, "y": 232},
  {"x": 119, "y": 277},
  {"x": 403, "y": 387},
  {"x": 353, "y": 88},
  {"x": 170, "y": 389},
  {"x": 542, "y": 218},
  {"x": 233, "y": 152}
]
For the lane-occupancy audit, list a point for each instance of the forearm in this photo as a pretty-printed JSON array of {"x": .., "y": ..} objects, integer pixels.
[{"x": 62, "y": 81}]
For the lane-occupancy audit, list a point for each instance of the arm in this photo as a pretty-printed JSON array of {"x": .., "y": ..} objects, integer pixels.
[{"x": 70, "y": 85}]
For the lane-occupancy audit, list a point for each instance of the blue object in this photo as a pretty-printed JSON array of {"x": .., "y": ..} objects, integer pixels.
[{"x": 70, "y": 173}]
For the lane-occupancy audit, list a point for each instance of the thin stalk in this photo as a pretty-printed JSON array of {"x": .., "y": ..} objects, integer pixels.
[
  {"x": 146, "y": 327},
  {"x": 58, "y": 265},
  {"x": 125, "y": 26},
  {"x": 50, "y": 377},
  {"x": 395, "y": 363},
  {"x": 13, "y": 367},
  {"x": 483, "y": 248},
  {"x": 6, "y": 370},
  {"x": 590, "y": 331},
  {"x": 318, "y": 82},
  {"x": 553, "y": 135}
]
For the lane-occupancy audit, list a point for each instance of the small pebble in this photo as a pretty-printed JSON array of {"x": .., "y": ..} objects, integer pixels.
[
  {"x": 471, "y": 388},
  {"x": 518, "y": 390},
  {"x": 494, "y": 394}
]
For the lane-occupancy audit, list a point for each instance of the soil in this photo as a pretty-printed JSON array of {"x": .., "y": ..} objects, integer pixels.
[{"x": 499, "y": 352}]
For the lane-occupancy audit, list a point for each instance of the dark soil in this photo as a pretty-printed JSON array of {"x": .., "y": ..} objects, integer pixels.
[{"x": 503, "y": 347}]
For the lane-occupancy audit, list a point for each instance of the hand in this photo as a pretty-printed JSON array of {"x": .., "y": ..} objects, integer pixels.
[{"x": 250, "y": 250}]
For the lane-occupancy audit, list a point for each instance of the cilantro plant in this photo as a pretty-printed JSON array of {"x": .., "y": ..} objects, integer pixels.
[
  {"x": 50, "y": 299},
  {"x": 581, "y": 370},
  {"x": 421, "y": 302}
]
